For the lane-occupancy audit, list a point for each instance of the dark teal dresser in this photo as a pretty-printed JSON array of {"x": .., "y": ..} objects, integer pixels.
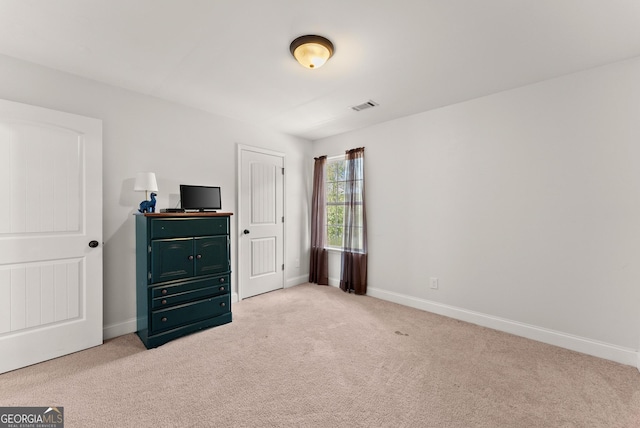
[{"x": 183, "y": 274}]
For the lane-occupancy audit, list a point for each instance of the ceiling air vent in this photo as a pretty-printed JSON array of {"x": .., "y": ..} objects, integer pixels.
[{"x": 365, "y": 106}]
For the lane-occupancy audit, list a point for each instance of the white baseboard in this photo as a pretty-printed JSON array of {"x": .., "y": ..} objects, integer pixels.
[
  {"x": 119, "y": 329},
  {"x": 575, "y": 343},
  {"x": 292, "y": 282}
]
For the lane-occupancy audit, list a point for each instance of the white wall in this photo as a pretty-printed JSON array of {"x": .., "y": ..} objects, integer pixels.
[
  {"x": 525, "y": 204},
  {"x": 181, "y": 145}
]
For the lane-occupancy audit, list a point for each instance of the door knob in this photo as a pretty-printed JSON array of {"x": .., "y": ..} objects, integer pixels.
[
  {"x": 246, "y": 232},
  {"x": 93, "y": 244}
]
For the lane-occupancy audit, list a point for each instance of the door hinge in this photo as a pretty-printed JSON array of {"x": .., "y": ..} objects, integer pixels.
[
  {"x": 282, "y": 266},
  {"x": 283, "y": 219},
  {"x": 149, "y": 249},
  {"x": 282, "y": 171},
  {"x": 149, "y": 275}
]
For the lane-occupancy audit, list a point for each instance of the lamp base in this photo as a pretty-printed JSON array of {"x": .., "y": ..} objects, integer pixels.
[{"x": 148, "y": 206}]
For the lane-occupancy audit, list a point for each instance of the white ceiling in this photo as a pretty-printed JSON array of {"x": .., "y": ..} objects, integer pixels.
[{"x": 231, "y": 57}]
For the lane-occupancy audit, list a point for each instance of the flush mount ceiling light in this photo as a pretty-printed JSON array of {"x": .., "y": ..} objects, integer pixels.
[{"x": 311, "y": 51}]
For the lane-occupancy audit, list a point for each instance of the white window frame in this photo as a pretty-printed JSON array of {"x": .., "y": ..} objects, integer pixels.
[{"x": 332, "y": 159}]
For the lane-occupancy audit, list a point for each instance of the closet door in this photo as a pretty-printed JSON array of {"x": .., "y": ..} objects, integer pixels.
[{"x": 261, "y": 221}]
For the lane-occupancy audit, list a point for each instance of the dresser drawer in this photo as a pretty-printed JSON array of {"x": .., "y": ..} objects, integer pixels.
[
  {"x": 222, "y": 282},
  {"x": 182, "y": 293},
  {"x": 176, "y": 316},
  {"x": 183, "y": 227}
]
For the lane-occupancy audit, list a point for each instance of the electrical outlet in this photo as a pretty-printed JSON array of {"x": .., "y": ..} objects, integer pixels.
[{"x": 433, "y": 282}]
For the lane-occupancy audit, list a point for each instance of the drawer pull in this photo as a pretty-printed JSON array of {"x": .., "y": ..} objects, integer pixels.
[
  {"x": 222, "y": 288},
  {"x": 164, "y": 291},
  {"x": 164, "y": 319},
  {"x": 223, "y": 304},
  {"x": 221, "y": 279},
  {"x": 164, "y": 301},
  {"x": 199, "y": 256},
  {"x": 190, "y": 257}
]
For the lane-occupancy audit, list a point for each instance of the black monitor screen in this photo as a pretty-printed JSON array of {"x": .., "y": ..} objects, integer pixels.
[{"x": 200, "y": 197}]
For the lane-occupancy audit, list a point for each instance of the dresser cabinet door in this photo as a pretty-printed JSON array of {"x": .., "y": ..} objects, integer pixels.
[
  {"x": 171, "y": 259},
  {"x": 212, "y": 255}
]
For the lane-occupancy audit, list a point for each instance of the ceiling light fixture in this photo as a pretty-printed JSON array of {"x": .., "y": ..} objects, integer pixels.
[{"x": 311, "y": 51}]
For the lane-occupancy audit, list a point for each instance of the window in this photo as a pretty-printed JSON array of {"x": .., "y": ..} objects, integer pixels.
[{"x": 336, "y": 197}]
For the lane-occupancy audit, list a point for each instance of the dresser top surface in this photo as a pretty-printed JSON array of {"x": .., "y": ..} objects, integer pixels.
[{"x": 188, "y": 214}]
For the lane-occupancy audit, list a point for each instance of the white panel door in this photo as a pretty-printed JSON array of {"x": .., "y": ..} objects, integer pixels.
[
  {"x": 51, "y": 210},
  {"x": 261, "y": 222}
]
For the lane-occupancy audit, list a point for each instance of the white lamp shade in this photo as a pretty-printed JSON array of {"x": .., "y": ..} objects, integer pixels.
[{"x": 146, "y": 181}]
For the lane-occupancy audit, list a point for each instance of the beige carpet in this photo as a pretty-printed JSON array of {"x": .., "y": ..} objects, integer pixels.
[{"x": 313, "y": 356}]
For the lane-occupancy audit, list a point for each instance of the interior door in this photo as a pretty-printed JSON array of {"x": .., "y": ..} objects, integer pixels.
[
  {"x": 50, "y": 234},
  {"x": 261, "y": 222}
]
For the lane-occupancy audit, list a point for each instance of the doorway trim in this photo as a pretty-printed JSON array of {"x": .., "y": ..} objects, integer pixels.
[{"x": 241, "y": 148}]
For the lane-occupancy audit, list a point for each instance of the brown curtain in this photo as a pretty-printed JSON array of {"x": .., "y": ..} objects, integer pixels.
[
  {"x": 318, "y": 265},
  {"x": 353, "y": 276}
]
